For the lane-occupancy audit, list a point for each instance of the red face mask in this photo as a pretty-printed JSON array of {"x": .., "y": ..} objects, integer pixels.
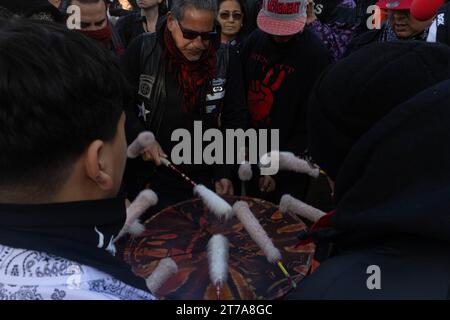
[{"x": 103, "y": 36}]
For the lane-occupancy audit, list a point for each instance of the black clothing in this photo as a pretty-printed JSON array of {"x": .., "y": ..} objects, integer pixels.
[
  {"x": 279, "y": 78},
  {"x": 362, "y": 88},
  {"x": 158, "y": 90},
  {"x": 68, "y": 230},
  {"x": 393, "y": 209}
]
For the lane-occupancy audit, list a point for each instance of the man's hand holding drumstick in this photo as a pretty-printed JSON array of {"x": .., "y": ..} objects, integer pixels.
[{"x": 154, "y": 153}]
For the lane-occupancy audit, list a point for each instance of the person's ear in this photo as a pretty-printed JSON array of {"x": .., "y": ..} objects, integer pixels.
[
  {"x": 170, "y": 22},
  {"x": 95, "y": 166}
]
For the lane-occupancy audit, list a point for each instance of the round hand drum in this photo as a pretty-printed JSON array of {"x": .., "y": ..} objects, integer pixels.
[{"x": 182, "y": 232}]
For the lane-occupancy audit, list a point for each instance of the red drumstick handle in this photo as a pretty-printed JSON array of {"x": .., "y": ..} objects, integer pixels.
[
  {"x": 218, "y": 291},
  {"x": 168, "y": 164}
]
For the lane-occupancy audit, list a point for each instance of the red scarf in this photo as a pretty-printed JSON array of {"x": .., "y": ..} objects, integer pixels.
[
  {"x": 192, "y": 76},
  {"x": 104, "y": 36}
]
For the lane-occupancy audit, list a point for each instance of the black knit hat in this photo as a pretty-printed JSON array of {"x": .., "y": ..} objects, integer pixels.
[{"x": 351, "y": 96}]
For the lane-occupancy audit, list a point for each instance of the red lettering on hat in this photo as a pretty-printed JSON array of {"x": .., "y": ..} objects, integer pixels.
[{"x": 283, "y": 8}]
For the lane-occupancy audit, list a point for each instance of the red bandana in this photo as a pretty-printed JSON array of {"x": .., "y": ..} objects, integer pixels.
[
  {"x": 192, "y": 76},
  {"x": 104, "y": 36}
]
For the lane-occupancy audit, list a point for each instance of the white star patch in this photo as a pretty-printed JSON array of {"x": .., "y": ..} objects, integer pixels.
[{"x": 143, "y": 111}]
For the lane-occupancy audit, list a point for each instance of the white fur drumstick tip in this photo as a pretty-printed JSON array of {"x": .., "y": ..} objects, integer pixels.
[
  {"x": 136, "y": 228},
  {"x": 245, "y": 171},
  {"x": 165, "y": 269},
  {"x": 215, "y": 204},
  {"x": 143, "y": 140},
  {"x": 256, "y": 231},
  {"x": 218, "y": 259},
  {"x": 288, "y": 161},
  {"x": 289, "y": 203},
  {"x": 143, "y": 201}
]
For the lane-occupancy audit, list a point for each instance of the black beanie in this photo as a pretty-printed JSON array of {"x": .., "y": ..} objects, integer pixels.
[{"x": 352, "y": 95}]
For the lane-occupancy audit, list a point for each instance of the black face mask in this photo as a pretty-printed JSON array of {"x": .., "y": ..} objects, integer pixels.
[{"x": 285, "y": 45}]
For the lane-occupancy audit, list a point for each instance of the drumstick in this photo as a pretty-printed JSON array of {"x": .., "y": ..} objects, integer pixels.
[
  {"x": 257, "y": 233},
  {"x": 165, "y": 269},
  {"x": 168, "y": 164},
  {"x": 143, "y": 201},
  {"x": 289, "y": 203},
  {"x": 245, "y": 174},
  {"x": 218, "y": 261},
  {"x": 288, "y": 161},
  {"x": 212, "y": 201}
]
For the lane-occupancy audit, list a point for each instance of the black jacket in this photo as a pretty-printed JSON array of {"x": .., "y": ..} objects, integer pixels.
[
  {"x": 442, "y": 25},
  {"x": 224, "y": 105},
  {"x": 393, "y": 209}
]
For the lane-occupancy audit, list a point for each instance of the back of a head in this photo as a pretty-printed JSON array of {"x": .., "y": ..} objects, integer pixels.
[
  {"x": 351, "y": 96},
  {"x": 5, "y": 13},
  {"x": 59, "y": 91},
  {"x": 395, "y": 181}
]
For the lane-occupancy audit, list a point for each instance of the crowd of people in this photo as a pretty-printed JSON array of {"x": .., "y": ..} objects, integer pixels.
[{"x": 359, "y": 88}]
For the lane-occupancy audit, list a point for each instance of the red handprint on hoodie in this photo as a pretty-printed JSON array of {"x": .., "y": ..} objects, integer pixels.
[{"x": 260, "y": 95}]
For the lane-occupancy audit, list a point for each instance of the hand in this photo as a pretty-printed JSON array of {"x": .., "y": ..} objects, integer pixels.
[
  {"x": 224, "y": 187},
  {"x": 267, "y": 184},
  {"x": 154, "y": 153},
  {"x": 310, "y": 13},
  {"x": 260, "y": 95}
]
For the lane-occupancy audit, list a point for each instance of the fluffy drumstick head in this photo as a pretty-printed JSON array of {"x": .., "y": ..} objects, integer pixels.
[
  {"x": 218, "y": 259},
  {"x": 143, "y": 140},
  {"x": 288, "y": 161},
  {"x": 256, "y": 231},
  {"x": 245, "y": 171},
  {"x": 165, "y": 269},
  {"x": 290, "y": 204},
  {"x": 136, "y": 228},
  {"x": 143, "y": 201},
  {"x": 213, "y": 202}
]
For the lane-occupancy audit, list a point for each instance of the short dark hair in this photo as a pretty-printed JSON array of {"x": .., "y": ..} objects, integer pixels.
[
  {"x": 5, "y": 13},
  {"x": 59, "y": 91},
  {"x": 179, "y": 6}
]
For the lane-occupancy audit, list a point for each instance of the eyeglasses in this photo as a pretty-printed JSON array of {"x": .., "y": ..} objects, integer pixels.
[
  {"x": 225, "y": 15},
  {"x": 191, "y": 35}
]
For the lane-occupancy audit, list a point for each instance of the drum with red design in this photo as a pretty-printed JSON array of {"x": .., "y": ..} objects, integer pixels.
[{"x": 182, "y": 232}]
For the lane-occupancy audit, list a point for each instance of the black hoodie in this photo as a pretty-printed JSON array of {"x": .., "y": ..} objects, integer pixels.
[{"x": 401, "y": 227}]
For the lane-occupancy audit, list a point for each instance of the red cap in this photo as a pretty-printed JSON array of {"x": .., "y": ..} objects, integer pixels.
[
  {"x": 424, "y": 10},
  {"x": 394, "y": 4}
]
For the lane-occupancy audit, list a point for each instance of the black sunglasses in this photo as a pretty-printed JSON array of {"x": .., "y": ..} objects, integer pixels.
[
  {"x": 225, "y": 15},
  {"x": 191, "y": 35}
]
